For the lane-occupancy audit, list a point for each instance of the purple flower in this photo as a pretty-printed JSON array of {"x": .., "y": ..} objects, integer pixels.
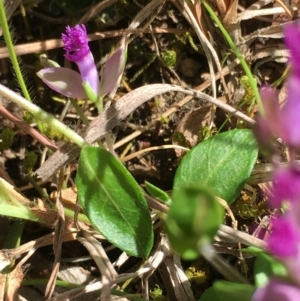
[
  {"x": 285, "y": 237},
  {"x": 292, "y": 41},
  {"x": 77, "y": 50},
  {"x": 70, "y": 83},
  {"x": 286, "y": 186},
  {"x": 277, "y": 290},
  {"x": 284, "y": 121}
]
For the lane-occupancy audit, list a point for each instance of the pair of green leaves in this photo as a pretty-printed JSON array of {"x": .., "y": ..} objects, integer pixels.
[{"x": 116, "y": 207}]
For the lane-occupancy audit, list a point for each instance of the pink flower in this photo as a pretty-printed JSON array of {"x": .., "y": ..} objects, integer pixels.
[
  {"x": 286, "y": 186},
  {"x": 284, "y": 121},
  {"x": 277, "y": 290},
  {"x": 70, "y": 83},
  {"x": 292, "y": 41},
  {"x": 78, "y": 51},
  {"x": 285, "y": 237}
]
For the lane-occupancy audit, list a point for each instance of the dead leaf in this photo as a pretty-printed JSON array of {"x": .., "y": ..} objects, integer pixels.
[
  {"x": 231, "y": 12},
  {"x": 13, "y": 283},
  {"x": 68, "y": 196},
  {"x": 187, "y": 132}
]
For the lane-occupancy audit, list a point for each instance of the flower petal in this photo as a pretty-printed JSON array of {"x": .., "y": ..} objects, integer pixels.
[
  {"x": 284, "y": 239},
  {"x": 277, "y": 290},
  {"x": 64, "y": 81},
  {"x": 272, "y": 116},
  {"x": 77, "y": 50},
  {"x": 89, "y": 72},
  {"x": 75, "y": 43},
  {"x": 292, "y": 41},
  {"x": 112, "y": 71},
  {"x": 290, "y": 113},
  {"x": 286, "y": 186},
  {"x": 263, "y": 135}
]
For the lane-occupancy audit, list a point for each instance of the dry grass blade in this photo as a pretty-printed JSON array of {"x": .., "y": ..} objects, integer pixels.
[
  {"x": 25, "y": 127},
  {"x": 178, "y": 279},
  {"x": 70, "y": 295},
  {"x": 208, "y": 49},
  {"x": 150, "y": 9},
  {"x": 274, "y": 32},
  {"x": 241, "y": 237},
  {"x": 256, "y": 11},
  {"x": 95, "y": 10},
  {"x": 27, "y": 48},
  {"x": 106, "y": 268},
  {"x": 58, "y": 240},
  {"x": 211, "y": 54},
  {"x": 149, "y": 149}
]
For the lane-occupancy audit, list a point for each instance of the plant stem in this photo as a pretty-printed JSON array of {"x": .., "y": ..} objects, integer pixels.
[
  {"x": 42, "y": 116},
  {"x": 12, "y": 54},
  {"x": 230, "y": 273},
  {"x": 79, "y": 111},
  {"x": 99, "y": 104},
  {"x": 244, "y": 64},
  {"x": 110, "y": 145},
  {"x": 81, "y": 217}
]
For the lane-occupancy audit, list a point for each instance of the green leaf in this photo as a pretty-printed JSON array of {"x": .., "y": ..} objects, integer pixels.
[
  {"x": 158, "y": 193},
  {"x": 112, "y": 71},
  {"x": 266, "y": 267},
  {"x": 114, "y": 202},
  {"x": 223, "y": 162},
  {"x": 252, "y": 250},
  {"x": 209, "y": 295},
  {"x": 228, "y": 291},
  {"x": 193, "y": 219}
]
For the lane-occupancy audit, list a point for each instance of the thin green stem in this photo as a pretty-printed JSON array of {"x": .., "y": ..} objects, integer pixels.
[
  {"x": 42, "y": 116},
  {"x": 10, "y": 47},
  {"x": 99, "y": 104},
  {"x": 40, "y": 190},
  {"x": 13, "y": 237},
  {"x": 81, "y": 217},
  {"x": 79, "y": 111},
  {"x": 244, "y": 64},
  {"x": 13, "y": 56},
  {"x": 61, "y": 283},
  {"x": 110, "y": 145}
]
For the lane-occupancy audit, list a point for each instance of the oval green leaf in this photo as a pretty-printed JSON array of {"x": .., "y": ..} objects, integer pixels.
[
  {"x": 223, "y": 163},
  {"x": 114, "y": 202}
]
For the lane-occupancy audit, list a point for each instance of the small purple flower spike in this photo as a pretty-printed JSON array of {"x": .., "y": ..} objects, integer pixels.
[
  {"x": 286, "y": 186},
  {"x": 77, "y": 50},
  {"x": 277, "y": 290},
  {"x": 284, "y": 239},
  {"x": 283, "y": 121},
  {"x": 292, "y": 40}
]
